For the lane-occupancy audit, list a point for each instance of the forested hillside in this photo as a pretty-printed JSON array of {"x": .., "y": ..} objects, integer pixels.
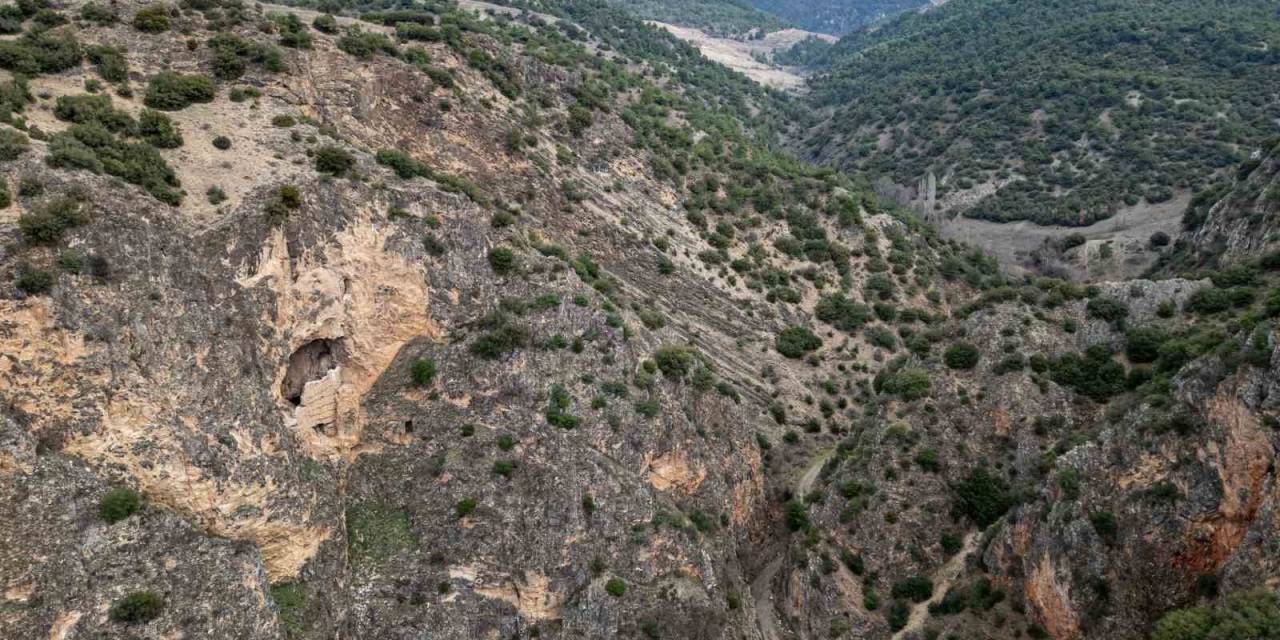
[
  {"x": 836, "y": 16},
  {"x": 1056, "y": 112},
  {"x": 717, "y": 17}
]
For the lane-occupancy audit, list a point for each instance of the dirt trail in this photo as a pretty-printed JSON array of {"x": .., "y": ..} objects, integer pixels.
[
  {"x": 762, "y": 586},
  {"x": 942, "y": 581}
]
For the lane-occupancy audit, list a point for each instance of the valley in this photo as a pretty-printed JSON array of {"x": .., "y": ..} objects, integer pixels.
[{"x": 590, "y": 319}]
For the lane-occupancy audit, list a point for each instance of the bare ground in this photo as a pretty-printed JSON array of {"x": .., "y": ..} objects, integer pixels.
[
  {"x": 739, "y": 55},
  {"x": 1128, "y": 232}
]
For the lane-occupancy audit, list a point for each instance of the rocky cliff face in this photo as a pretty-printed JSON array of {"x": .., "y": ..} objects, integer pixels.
[
  {"x": 1236, "y": 221},
  {"x": 510, "y": 334}
]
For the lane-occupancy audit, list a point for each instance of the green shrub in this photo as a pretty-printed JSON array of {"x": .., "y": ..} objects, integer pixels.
[
  {"x": 433, "y": 246},
  {"x": 1109, "y": 309},
  {"x": 158, "y": 130},
  {"x": 1009, "y": 364},
  {"x": 898, "y": 615},
  {"x": 152, "y": 19},
  {"x": 287, "y": 198},
  {"x": 13, "y": 144},
  {"x": 1208, "y": 301},
  {"x": 118, "y": 504},
  {"x": 6, "y": 198},
  {"x": 90, "y": 109},
  {"x": 982, "y": 497},
  {"x": 233, "y": 54},
  {"x": 502, "y": 260},
  {"x": 1142, "y": 345},
  {"x": 293, "y": 33},
  {"x": 951, "y": 543},
  {"x": 92, "y": 148},
  {"x": 170, "y": 91},
  {"x": 47, "y": 223},
  {"x": 797, "y": 516},
  {"x": 961, "y": 356},
  {"x": 558, "y": 404},
  {"x": 504, "y": 468},
  {"x": 910, "y": 384},
  {"x": 795, "y": 342},
  {"x": 221, "y": 143},
  {"x": 842, "y": 313},
  {"x": 502, "y": 338},
  {"x": 915, "y": 589},
  {"x": 98, "y": 13},
  {"x": 881, "y": 337},
  {"x": 333, "y": 160},
  {"x": 325, "y": 23},
  {"x": 423, "y": 371},
  {"x": 465, "y": 507},
  {"x": 1095, "y": 375},
  {"x": 676, "y": 362},
  {"x": 1069, "y": 483},
  {"x": 39, "y": 51},
  {"x": 615, "y": 587},
  {"x": 928, "y": 460},
  {"x": 110, "y": 62},
  {"x": 400, "y": 162},
  {"x": 137, "y": 607},
  {"x": 32, "y": 281},
  {"x": 364, "y": 44},
  {"x": 1249, "y": 615},
  {"x": 1104, "y": 523}
]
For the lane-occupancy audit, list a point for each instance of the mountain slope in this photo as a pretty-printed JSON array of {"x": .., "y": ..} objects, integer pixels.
[
  {"x": 837, "y": 16},
  {"x": 1049, "y": 111},
  {"x": 716, "y": 17},
  {"x": 515, "y": 325}
]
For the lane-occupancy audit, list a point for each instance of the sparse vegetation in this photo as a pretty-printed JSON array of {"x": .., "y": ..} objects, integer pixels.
[{"x": 376, "y": 532}]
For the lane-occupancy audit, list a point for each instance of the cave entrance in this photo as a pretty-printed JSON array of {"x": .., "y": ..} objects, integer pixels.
[{"x": 312, "y": 361}]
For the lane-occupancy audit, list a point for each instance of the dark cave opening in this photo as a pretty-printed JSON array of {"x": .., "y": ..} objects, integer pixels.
[{"x": 311, "y": 361}]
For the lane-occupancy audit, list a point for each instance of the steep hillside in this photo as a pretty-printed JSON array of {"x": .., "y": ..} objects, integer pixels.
[
  {"x": 461, "y": 321},
  {"x": 838, "y": 16},
  {"x": 1233, "y": 221},
  {"x": 726, "y": 18},
  {"x": 1055, "y": 112}
]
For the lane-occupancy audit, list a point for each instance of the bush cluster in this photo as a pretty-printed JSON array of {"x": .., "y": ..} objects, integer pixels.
[
  {"x": 171, "y": 91},
  {"x": 795, "y": 342},
  {"x": 137, "y": 607}
]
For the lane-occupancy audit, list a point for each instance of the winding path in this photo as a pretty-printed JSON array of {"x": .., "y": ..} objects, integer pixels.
[
  {"x": 943, "y": 578},
  {"x": 762, "y": 586}
]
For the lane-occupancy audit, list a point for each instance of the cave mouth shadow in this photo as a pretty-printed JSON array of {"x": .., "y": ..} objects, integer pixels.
[{"x": 312, "y": 361}]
